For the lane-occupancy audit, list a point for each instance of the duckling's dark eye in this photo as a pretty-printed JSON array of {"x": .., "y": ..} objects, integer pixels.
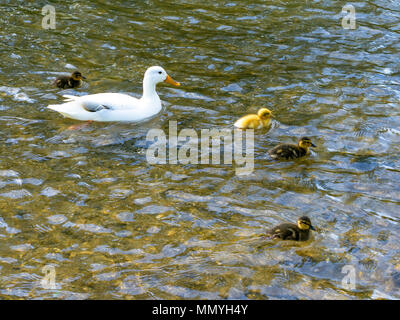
[{"x": 159, "y": 72}]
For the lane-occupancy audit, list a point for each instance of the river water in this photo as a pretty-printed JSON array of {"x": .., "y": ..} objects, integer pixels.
[{"x": 84, "y": 215}]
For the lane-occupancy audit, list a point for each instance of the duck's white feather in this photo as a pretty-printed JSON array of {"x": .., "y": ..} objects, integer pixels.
[{"x": 110, "y": 106}]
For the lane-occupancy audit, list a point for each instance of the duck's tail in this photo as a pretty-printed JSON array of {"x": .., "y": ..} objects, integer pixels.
[
  {"x": 68, "y": 109},
  {"x": 69, "y": 97},
  {"x": 59, "y": 108}
]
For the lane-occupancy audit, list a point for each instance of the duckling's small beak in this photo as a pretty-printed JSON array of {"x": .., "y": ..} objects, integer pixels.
[
  {"x": 171, "y": 81},
  {"x": 271, "y": 115},
  {"x": 313, "y": 145},
  {"x": 312, "y": 228},
  {"x": 84, "y": 78}
]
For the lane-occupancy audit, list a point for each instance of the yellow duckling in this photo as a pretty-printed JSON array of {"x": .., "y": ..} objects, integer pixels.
[
  {"x": 72, "y": 81},
  {"x": 290, "y": 231},
  {"x": 291, "y": 151},
  {"x": 255, "y": 121}
]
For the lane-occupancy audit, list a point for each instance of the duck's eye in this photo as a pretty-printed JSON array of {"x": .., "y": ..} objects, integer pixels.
[{"x": 159, "y": 72}]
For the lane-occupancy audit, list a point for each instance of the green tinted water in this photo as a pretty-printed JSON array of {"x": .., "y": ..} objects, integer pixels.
[{"x": 88, "y": 204}]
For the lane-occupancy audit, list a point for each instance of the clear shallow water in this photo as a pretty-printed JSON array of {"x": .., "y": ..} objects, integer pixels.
[{"x": 115, "y": 227}]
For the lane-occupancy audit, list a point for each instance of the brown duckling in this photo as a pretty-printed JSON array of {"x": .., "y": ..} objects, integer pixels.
[
  {"x": 290, "y": 231},
  {"x": 291, "y": 151},
  {"x": 72, "y": 81},
  {"x": 255, "y": 121}
]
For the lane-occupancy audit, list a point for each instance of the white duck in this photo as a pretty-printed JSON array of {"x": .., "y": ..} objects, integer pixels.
[{"x": 117, "y": 106}]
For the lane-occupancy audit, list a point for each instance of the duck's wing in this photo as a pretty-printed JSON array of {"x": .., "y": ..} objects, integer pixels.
[
  {"x": 90, "y": 106},
  {"x": 276, "y": 152},
  {"x": 285, "y": 151},
  {"x": 95, "y": 106},
  {"x": 101, "y": 101},
  {"x": 61, "y": 82},
  {"x": 102, "y": 107},
  {"x": 284, "y": 231},
  {"x": 97, "y": 102},
  {"x": 250, "y": 121}
]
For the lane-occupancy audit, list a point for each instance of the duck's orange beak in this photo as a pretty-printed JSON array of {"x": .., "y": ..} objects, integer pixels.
[{"x": 171, "y": 81}]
